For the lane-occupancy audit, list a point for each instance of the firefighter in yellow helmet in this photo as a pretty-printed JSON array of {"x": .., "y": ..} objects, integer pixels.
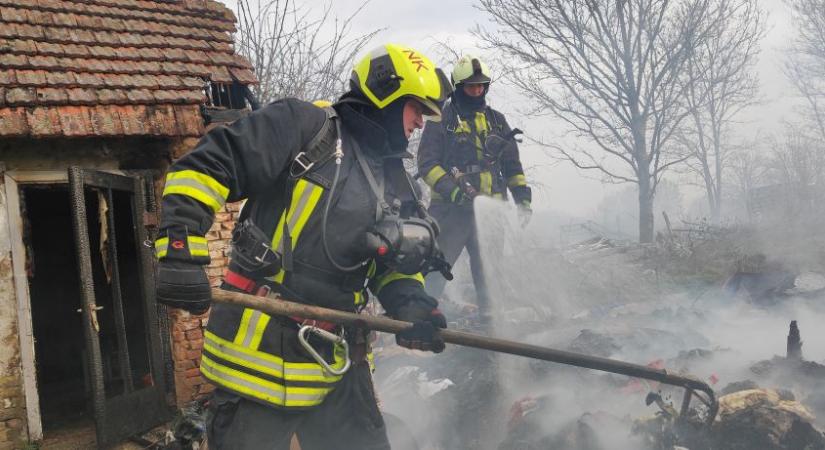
[
  {"x": 330, "y": 215},
  {"x": 471, "y": 152}
]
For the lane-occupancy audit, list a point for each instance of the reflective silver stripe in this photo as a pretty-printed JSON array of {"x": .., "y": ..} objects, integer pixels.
[
  {"x": 250, "y": 330},
  {"x": 296, "y": 213},
  {"x": 188, "y": 182},
  {"x": 195, "y": 246}
]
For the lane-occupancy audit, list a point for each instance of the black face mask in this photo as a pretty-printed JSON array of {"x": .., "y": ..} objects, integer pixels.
[
  {"x": 391, "y": 119},
  {"x": 469, "y": 103}
]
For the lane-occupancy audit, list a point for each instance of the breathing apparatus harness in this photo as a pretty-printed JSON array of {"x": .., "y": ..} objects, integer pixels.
[
  {"x": 401, "y": 241},
  {"x": 404, "y": 239}
]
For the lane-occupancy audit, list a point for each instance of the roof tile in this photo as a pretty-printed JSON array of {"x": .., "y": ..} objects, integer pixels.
[
  {"x": 2, "y": 97},
  {"x": 91, "y": 22},
  {"x": 44, "y": 62},
  {"x": 49, "y": 48},
  {"x": 163, "y": 119},
  {"x": 7, "y": 77},
  {"x": 105, "y": 121},
  {"x": 13, "y": 14},
  {"x": 65, "y": 20},
  {"x": 150, "y": 53},
  {"x": 243, "y": 76},
  {"x": 31, "y": 77},
  {"x": 14, "y": 60},
  {"x": 168, "y": 81},
  {"x": 130, "y": 39},
  {"x": 105, "y": 37},
  {"x": 112, "y": 96},
  {"x": 51, "y": 96},
  {"x": 102, "y": 52},
  {"x": 140, "y": 96},
  {"x": 75, "y": 121},
  {"x": 13, "y": 122},
  {"x": 44, "y": 121},
  {"x": 220, "y": 74},
  {"x": 39, "y": 17},
  {"x": 81, "y": 96},
  {"x": 82, "y": 36},
  {"x": 190, "y": 121},
  {"x": 192, "y": 82},
  {"x": 21, "y": 96},
  {"x": 23, "y": 46},
  {"x": 114, "y": 80},
  {"x": 60, "y": 78},
  {"x": 132, "y": 117},
  {"x": 148, "y": 66},
  {"x": 29, "y": 31},
  {"x": 81, "y": 51},
  {"x": 56, "y": 34},
  {"x": 89, "y": 79}
]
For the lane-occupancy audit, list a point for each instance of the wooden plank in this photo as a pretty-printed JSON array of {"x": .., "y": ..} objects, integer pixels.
[{"x": 24, "y": 312}]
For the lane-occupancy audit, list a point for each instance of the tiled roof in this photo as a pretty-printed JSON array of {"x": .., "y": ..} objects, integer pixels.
[{"x": 112, "y": 67}]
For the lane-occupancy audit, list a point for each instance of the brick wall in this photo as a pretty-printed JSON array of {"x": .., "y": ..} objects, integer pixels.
[
  {"x": 187, "y": 329},
  {"x": 12, "y": 412}
]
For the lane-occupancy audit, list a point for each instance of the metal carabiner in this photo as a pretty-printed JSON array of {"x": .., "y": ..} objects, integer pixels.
[{"x": 327, "y": 336}]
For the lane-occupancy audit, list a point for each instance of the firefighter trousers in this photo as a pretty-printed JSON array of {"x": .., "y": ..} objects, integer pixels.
[
  {"x": 458, "y": 231},
  {"x": 348, "y": 419}
]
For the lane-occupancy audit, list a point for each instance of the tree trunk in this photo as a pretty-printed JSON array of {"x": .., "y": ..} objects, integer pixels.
[{"x": 645, "y": 209}]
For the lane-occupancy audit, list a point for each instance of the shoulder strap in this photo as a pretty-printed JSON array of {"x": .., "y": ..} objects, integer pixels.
[{"x": 319, "y": 149}]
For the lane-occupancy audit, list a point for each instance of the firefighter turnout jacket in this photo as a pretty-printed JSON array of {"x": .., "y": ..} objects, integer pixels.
[
  {"x": 472, "y": 142},
  {"x": 246, "y": 351}
]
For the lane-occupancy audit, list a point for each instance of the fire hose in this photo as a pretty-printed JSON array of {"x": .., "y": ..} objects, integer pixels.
[{"x": 694, "y": 387}]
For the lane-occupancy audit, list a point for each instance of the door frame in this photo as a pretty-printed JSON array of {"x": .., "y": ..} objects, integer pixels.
[{"x": 13, "y": 180}]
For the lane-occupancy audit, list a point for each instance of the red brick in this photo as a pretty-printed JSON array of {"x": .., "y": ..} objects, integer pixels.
[
  {"x": 193, "y": 354},
  {"x": 15, "y": 423},
  {"x": 31, "y": 77},
  {"x": 44, "y": 121},
  {"x": 75, "y": 121},
  {"x": 185, "y": 365},
  {"x": 194, "y": 334},
  {"x": 106, "y": 121},
  {"x": 13, "y": 122},
  {"x": 178, "y": 336},
  {"x": 191, "y": 373},
  {"x": 52, "y": 96},
  {"x": 206, "y": 388},
  {"x": 21, "y": 96}
]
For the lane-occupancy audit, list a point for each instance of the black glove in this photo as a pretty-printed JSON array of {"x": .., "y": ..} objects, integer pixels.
[
  {"x": 184, "y": 285},
  {"x": 406, "y": 300}
]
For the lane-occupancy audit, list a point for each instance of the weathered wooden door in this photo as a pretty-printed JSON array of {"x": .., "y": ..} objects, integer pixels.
[{"x": 120, "y": 319}]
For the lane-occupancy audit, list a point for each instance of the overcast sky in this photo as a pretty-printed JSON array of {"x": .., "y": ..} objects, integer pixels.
[{"x": 420, "y": 23}]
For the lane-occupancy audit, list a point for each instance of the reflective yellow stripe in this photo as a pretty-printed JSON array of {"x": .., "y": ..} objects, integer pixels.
[
  {"x": 359, "y": 298},
  {"x": 305, "y": 199},
  {"x": 199, "y": 186},
  {"x": 517, "y": 180},
  {"x": 271, "y": 364},
  {"x": 197, "y": 246},
  {"x": 481, "y": 134},
  {"x": 258, "y": 332},
  {"x": 392, "y": 276},
  {"x": 486, "y": 182},
  {"x": 434, "y": 175},
  {"x": 261, "y": 389},
  {"x": 161, "y": 247},
  {"x": 243, "y": 328}
]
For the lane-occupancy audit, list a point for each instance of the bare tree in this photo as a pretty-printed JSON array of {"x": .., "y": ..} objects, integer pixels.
[
  {"x": 614, "y": 71},
  {"x": 724, "y": 84},
  {"x": 748, "y": 171},
  {"x": 295, "y": 53},
  {"x": 805, "y": 66}
]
